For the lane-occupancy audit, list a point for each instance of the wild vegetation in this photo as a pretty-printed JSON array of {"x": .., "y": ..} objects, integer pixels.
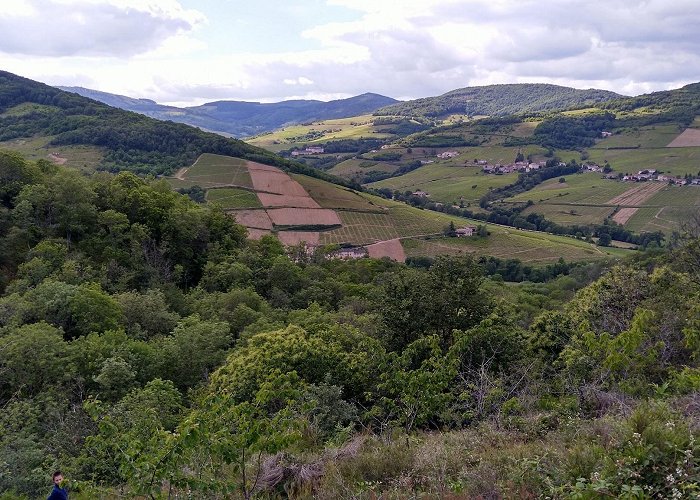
[
  {"x": 499, "y": 100},
  {"x": 150, "y": 350}
]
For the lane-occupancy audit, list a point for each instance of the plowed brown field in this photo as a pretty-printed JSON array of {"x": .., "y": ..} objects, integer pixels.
[
  {"x": 257, "y": 219},
  {"x": 303, "y": 217},
  {"x": 689, "y": 138},
  {"x": 389, "y": 248},
  {"x": 638, "y": 194},
  {"x": 281, "y": 200},
  {"x": 295, "y": 237}
]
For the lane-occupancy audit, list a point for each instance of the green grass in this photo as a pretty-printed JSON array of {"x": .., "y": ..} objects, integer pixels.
[
  {"x": 657, "y": 136},
  {"x": 351, "y": 168},
  {"x": 343, "y": 128},
  {"x": 86, "y": 158},
  {"x": 210, "y": 170},
  {"x": 678, "y": 196},
  {"x": 585, "y": 188},
  {"x": 673, "y": 161},
  {"x": 333, "y": 196},
  {"x": 232, "y": 198},
  {"x": 532, "y": 248},
  {"x": 568, "y": 215},
  {"x": 446, "y": 184},
  {"x": 410, "y": 224},
  {"x": 28, "y": 108},
  {"x": 666, "y": 219}
]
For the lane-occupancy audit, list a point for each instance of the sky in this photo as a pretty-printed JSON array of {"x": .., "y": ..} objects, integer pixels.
[{"x": 187, "y": 52}]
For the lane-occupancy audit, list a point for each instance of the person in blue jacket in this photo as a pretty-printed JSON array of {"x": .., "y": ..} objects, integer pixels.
[{"x": 58, "y": 493}]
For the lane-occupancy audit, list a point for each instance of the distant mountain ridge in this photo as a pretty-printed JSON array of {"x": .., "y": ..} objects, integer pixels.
[
  {"x": 500, "y": 100},
  {"x": 243, "y": 118}
]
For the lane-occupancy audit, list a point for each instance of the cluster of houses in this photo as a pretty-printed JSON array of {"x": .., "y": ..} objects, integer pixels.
[
  {"x": 309, "y": 150},
  {"x": 518, "y": 166},
  {"x": 653, "y": 175},
  {"x": 350, "y": 253}
]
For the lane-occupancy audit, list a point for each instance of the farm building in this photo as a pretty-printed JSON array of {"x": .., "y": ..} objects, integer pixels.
[
  {"x": 465, "y": 231},
  {"x": 350, "y": 253},
  {"x": 421, "y": 194},
  {"x": 448, "y": 154}
]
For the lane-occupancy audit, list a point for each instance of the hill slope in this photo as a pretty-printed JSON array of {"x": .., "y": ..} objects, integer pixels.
[
  {"x": 241, "y": 118},
  {"x": 35, "y": 112},
  {"x": 499, "y": 100}
]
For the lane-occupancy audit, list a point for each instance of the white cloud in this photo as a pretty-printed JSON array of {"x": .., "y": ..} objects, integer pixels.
[
  {"x": 118, "y": 28},
  {"x": 400, "y": 48}
]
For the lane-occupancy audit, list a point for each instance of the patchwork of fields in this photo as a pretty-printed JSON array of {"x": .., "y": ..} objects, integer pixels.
[
  {"x": 302, "y": 209},
  {"x": 589, "y": 199}
]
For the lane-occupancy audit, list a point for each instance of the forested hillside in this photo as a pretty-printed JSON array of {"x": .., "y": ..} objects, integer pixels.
[
  {"x": 241, "y": 118},
  {"x": 500, "y": 100},
  {"x": 147, "y": 349},
  {"x": 131, "y": 141}
]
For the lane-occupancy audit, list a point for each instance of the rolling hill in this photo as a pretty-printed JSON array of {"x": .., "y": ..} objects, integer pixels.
[
  {"x": 41, "y": 121},
  {"x": 241, "y": 118},
  {"x": 297, "y": 208},
  {"x": 500, "y": 100}
]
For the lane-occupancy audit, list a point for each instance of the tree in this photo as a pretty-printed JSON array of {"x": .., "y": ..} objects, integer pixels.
[{"x": 604, "y": 240}]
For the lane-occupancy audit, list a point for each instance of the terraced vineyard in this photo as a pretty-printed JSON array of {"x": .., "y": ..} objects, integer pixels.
[
  {"x": 216, "y": 170},
  {"x": 231, "y": 198},
  {"x": 299, "y": 209}
]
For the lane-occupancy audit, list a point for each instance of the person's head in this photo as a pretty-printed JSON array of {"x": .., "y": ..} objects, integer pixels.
[{"x": 57, "y": 477}]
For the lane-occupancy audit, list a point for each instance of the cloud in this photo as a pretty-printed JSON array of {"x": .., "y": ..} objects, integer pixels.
[
  {"x": 400, "y": 48},
  {"x": 118, "y": 28}
]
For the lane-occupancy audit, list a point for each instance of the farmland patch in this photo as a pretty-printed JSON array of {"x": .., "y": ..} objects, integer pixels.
[{"x": 690, "y": 137}]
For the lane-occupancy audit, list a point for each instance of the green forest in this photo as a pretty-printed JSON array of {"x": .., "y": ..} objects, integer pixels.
[{"x": 149, "y": 350}]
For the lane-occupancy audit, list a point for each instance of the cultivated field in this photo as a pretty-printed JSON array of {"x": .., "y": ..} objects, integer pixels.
[
  {"x": 672, "y": 161},
  {"x": 665, "y": 219},
  {"x": 257, "y": 219},
  {"x": 303, "y": 217},
  {"x": 638, "y": 194},
  {"x": 584, "y": 188},
  {"x": 689, "y": 138},
  {"x": 508, "y": 243},
  {"x": 216, "y": 170},
  {"x": 391, "y": 248},
  {"x": 657, "y": 136},
  {"x": 281, "y": 200},
  {"x": 233, "y": 198},
  {"x": 329, "y": 195},
  {"x": 570, "y": 214},
  {"x": 290, "y": 238},
  {"x": 350, "y": 169},
  {"x": 297, "y": 135},
  {"x": 447, "y": 184}
]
